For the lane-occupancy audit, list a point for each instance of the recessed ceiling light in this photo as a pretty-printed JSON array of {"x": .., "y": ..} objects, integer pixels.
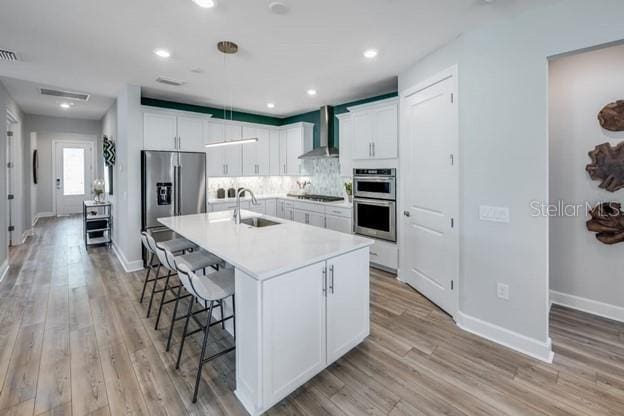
[
  {"x": 311, "y": 91},
  {"x": 270, "y": 105},
  {"x": 163, "y": 53},
  {"x": 206, "y": 4},
  {"x": 65, "y": 106},
  {"x": 278, "y": 7},
  {"x": 370, "y": 53}
]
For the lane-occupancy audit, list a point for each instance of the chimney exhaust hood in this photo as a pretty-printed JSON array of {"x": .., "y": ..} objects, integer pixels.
[{"x": 326, "y": 132}]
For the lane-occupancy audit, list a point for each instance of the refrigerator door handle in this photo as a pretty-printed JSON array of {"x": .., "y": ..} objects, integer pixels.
[{"x": 178, "y": 185}]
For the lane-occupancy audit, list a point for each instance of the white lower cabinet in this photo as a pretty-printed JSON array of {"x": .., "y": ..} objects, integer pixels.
[
  {"x": 342, "y": 224},
  {"x": 309, "y": 217},
  {"x": 307, "y": 319},
  {"x": 271, "y": 207},
  {"x": 385, "y": 254}
]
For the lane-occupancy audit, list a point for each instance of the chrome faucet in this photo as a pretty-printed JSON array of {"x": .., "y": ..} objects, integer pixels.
[{"x": 237, "y": 214}]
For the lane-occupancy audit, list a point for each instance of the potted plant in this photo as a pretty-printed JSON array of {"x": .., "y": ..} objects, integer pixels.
[{"x": 349, "y": 190}]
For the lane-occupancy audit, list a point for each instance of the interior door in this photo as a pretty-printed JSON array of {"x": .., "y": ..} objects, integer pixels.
[
  {"x": 9, "y": 183},
  {"x": 74, "y": 175},
  {"x": 429, "y": 255}
]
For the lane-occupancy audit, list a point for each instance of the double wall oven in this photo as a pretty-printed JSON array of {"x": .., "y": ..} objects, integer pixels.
[{"x": 374, "y": 203}]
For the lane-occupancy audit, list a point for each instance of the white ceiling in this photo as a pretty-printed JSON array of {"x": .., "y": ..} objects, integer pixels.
[
  {"x": 28, "y": 97},
  {"x": 98, "y": 46}
]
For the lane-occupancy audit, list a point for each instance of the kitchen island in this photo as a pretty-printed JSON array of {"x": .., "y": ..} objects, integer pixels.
[{"x": 302, "y": 297}]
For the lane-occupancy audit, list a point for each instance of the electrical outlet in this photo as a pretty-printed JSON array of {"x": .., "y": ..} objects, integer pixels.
[{"x": 502, "y": 291}]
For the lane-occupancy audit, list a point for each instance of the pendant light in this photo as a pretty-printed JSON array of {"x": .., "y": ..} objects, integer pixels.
[{"x": 229, "y": 48}]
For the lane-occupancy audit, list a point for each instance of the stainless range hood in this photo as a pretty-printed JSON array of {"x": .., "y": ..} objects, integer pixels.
[{"x": 326, "y": 132}]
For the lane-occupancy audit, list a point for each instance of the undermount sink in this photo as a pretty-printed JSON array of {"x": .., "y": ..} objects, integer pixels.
[{"x": 258, "y": 222}]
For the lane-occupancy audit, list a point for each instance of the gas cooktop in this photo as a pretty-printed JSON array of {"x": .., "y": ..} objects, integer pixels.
[{"x": 318, "y": 198}]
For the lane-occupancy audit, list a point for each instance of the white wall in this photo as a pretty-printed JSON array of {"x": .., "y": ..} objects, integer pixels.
[
  {"x": 109, "y": 128},
  {"x": 129, "y": 143},
  {"x": 49, "y": 129},
  {"x": 503, "y": 96},
  {"x": 580, "y": 85}
]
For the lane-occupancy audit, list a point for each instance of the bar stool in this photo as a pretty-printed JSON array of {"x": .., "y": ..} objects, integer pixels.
[
  {"x": 212, "y": 288},
  {"x": 197, "y": 260},
  {"x": 176, "y": 245}
]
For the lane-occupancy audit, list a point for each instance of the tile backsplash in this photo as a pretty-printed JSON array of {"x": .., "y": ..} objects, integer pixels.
[{"x": 324, "y": 177}]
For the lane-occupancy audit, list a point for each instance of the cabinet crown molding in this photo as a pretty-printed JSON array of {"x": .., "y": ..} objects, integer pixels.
[{"x": 374, "y": 104}]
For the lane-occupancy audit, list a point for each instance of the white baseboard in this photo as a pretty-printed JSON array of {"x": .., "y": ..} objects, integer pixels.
[
  {"x": 128, "y": 266},
  {"x": 521, "y": 343},
  {"x": 606, "y": 310},
  {"x": 42, "y": 215},
  {"x": 4, "y": 269},
  {"x": 25, "y": 235}
]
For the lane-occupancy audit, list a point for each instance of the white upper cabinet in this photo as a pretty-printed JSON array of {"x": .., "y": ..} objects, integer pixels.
[
  {"x": 223, "y": 160},
  {"x": 190, "y": 134},
  {"x": 298, "y": 141},
  {"x": 274, "y": 152},
  {"x": 375, "y": 130},
  {"x": 283, "y": 155},
  {"x": 172, "y": 131},
  {"x": 160, "y": 131},
  {"x": 345, "y": 134},
  {"x": 256, "y": 155}
]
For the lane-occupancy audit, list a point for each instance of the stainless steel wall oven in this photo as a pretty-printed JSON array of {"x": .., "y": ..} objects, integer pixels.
[{"x": 374, "y": 203}]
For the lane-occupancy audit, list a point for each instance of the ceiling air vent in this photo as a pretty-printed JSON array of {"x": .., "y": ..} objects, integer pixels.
[
  {"x": 170, "y": 81},
  {"x": 64, "y": 94},
  {"x": 6, "y": 55}
]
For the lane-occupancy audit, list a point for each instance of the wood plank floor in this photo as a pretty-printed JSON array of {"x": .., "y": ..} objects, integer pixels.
[{"x": 74, "y": 340}]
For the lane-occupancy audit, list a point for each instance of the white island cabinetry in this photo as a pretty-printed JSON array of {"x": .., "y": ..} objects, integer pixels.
[
  {"x": 302, "y": 298},
  {"x": 307, "y": 320}
]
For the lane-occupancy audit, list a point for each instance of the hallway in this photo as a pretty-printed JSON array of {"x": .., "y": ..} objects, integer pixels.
[{"x": 74, "y": 340}]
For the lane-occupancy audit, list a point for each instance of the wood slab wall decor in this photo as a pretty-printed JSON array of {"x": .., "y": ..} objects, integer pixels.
[
  {"x": 607, "y": 166},
  {"x": 607, "y": 220},
  {"x": 611, "y": 117}
]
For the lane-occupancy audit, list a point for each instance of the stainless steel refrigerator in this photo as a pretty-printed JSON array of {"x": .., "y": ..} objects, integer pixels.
[{"x": 172, "y": 183}]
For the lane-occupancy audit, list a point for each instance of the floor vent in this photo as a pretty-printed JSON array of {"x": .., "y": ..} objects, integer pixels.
[
  {"x": 170, "y": 81},
  {"x": 65, "y": 94},
  {"x": 6, "y": 55}
]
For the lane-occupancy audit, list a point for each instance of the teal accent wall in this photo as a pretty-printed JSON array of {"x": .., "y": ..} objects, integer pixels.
[
  {"x": 310, "y": 117},
  {"x": 216, "y": 112}
]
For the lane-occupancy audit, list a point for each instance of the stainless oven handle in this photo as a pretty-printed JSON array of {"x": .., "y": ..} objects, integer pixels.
[
  {"x": 374, "y": 202},
  {"x": 374, "y": 179}
]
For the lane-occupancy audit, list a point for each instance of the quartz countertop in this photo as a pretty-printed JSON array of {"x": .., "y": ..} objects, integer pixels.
[
  {"x": 263, "y": 252},
  {"x": 343, "y": 204}
]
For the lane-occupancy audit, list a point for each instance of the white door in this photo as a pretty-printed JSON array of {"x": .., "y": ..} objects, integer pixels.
[
  {"x": 347, "y": 302},
  {"x": 385, "y": 133},
  {"x": 429, "y": 254},
  {"x": 74, "y": 175},
  {"x": 190, "y": 134},
  {"x": 159, "y": 131},
  {"x": 9, "y": 183}
]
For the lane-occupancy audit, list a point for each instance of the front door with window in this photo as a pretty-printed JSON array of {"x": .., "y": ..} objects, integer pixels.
[{"x": 74, "y": 175}]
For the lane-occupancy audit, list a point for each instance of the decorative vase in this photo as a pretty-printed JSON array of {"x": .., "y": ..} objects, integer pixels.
[{"x": 98, "y": 190}]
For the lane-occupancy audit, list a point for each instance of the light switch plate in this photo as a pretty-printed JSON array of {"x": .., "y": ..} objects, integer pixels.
[{"x": 495, "y": 214}]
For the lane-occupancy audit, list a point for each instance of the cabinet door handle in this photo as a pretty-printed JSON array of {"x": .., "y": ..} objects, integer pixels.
[
  {"x": 179, "y": 143},
  {"x": 373, "y": 149},
  {"x": 325, "y": 281},
  {"x": 331, "y": 278},
  {"x": 370, "y": 149}
]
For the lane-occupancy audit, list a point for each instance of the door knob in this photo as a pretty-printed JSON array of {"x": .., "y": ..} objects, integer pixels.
[{"x": 406, "y": 213}]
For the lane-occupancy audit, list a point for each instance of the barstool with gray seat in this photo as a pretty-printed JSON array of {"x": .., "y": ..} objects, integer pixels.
[
  {"x": 176, "y": 245},
  {"x": 197, "y": 260},
  {"x": 207, "y": 290}
]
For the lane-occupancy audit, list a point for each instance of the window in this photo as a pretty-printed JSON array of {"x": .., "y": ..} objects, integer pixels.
[{"x": 73, "y": 171}]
